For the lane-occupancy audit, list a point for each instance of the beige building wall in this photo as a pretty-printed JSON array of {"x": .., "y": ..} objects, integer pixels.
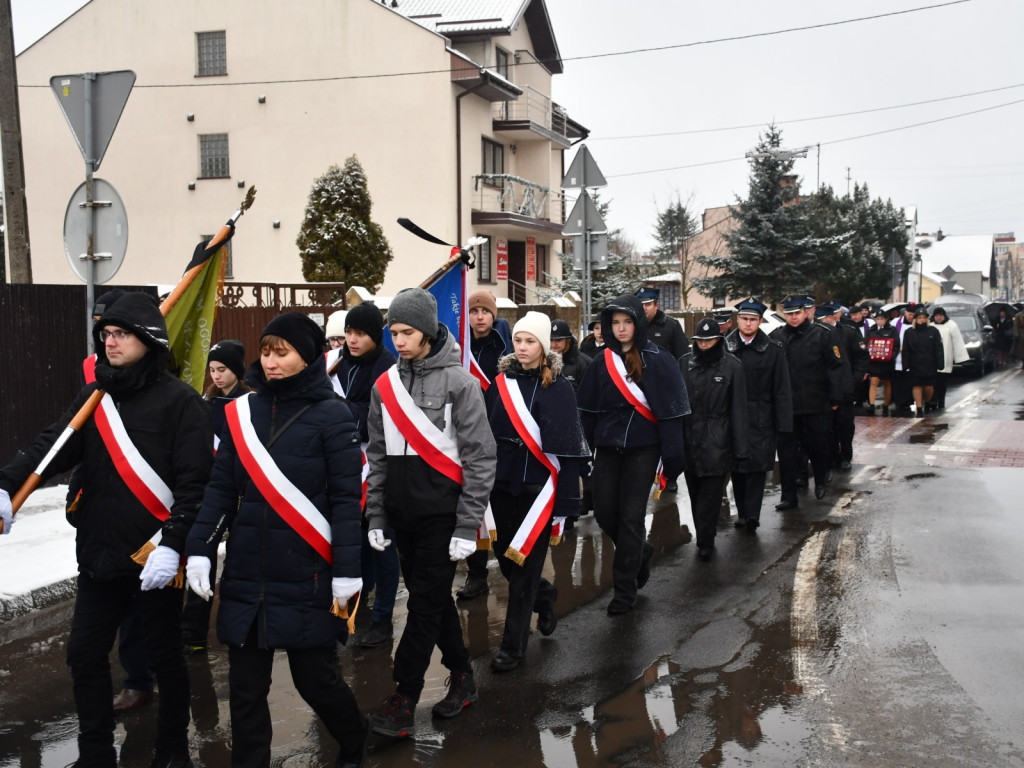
[{"x": 336, "y": 103}]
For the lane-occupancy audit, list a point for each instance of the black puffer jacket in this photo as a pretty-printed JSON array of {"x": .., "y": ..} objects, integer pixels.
[
  {"x": 923, "y": 354},
  {"x": 716, "y": 427},
  {"x": 667, "y": 333},
  {"x": 166, "y": 420},
  {"x": 574, "y": 364},
  {"x": 357, "y": 376},
  {"x": 815, "y": 367},
  {"x": 769, "y": 397},
  {"x": 609, "y": 420},
  {"x": 271, "y": 574}
]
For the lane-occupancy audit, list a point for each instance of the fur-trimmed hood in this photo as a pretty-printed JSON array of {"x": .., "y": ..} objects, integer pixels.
[{"x": 509, "y": 363}]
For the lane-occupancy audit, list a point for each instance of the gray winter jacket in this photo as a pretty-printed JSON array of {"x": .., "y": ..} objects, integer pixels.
[{"x": 403, "y": 488}]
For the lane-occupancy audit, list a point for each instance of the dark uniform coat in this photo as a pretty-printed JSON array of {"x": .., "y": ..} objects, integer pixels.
[
  {"x": 716, "y": 427},
  {"x": 667, "y": 333},
  {"x": 574, "y": 364},
  {"x": 815, "y": 367},
  {"x": 769, "y": 397}
]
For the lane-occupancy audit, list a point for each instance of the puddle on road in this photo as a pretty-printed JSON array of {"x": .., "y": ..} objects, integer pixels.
[{"x": 930, "y": 433}]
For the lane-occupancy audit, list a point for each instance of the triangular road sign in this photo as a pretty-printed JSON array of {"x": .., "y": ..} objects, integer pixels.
[
  {"x": 583, "y": 172},
  {"x": 574, "y": 223},
  {"x": 109, "y": 94}
]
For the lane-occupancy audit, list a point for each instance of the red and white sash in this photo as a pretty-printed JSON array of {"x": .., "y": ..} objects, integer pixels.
[
  {"x": 633, "y": 394},
  {"x": 407, "y": 428},
  {"x": 478, "y": 373},
  {"x": 529, "y": 432},
  {"x": 89, "y": 368},
  {"x": 291, "y": 504},
  {"x": 332, "y": 360}
]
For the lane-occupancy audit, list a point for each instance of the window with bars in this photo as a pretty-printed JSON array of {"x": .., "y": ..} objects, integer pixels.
[
  {"x": 483, "y": 262},
  {"x": 213, "y": 156},
  {"x": 211, "y": 54}
]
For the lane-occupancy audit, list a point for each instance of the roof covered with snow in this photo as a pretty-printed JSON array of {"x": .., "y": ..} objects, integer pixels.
[
  {"x": 964, "y": 253},
  {"x": 482, "y": 18}
]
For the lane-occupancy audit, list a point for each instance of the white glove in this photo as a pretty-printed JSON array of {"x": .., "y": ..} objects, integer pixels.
[
  {"x": 6, "y": 511},
  {"x": 460, "y": 549},
  {"x": 344, "y": 587},
  {"x": 161, "y": 566},
  {"x": 377, "y": 540},
  {"x": 197, "y": 571}
]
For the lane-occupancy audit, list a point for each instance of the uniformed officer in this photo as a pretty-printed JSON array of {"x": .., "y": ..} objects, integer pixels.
[
  {"x": 726, "y": 319},
  {"x": 815, "y": 373},
  {"x": 855, "y": 367},
  {"x": 665, "y": 331},
  {"x": 574, "y": 362},
  {"x": 769, "y": 407}
]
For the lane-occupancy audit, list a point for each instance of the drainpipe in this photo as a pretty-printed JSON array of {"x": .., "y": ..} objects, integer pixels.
[{"x": 458, "y": 156}]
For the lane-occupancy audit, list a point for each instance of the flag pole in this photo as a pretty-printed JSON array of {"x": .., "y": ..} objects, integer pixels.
[{"x": 90, "y": 405}]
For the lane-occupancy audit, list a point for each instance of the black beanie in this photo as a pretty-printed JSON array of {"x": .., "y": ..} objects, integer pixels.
[
  {"x": 367, "y": 318},
  {"x": 299, "y": 331},
  {"x": 104, "y": 301},
  {"x": 231, "y": 353}
]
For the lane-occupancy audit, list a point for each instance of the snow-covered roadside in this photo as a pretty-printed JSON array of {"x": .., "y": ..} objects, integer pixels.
[{"x": 37, "y": 559}]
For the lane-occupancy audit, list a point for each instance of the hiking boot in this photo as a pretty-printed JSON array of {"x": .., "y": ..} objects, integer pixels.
[
  {"x": 461, "y": 693},
  {"x": 395, "y": 718},
  {"x": 474, "y": 587},
  {"x": 378, "y": 634}
]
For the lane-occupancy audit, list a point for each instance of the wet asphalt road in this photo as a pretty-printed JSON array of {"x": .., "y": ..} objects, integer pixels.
[{"x": 881, "y": 626}]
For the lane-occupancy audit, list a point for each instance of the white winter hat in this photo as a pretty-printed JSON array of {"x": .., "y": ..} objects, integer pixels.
[
  {"x": 538, "y": 325},
  {"x": 336, "y": 324}
]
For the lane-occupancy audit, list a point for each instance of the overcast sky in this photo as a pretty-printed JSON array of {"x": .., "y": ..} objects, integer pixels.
[{"x": 650, "y": 114}]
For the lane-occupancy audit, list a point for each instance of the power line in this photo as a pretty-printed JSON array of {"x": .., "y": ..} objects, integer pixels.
[
  {"x": 629, "y": 52},
  {"x": 825, "y": 143},
  {"x": 804, "y": 119}
]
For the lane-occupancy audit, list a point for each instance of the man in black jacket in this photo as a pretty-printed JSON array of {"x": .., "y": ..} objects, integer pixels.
[
  {"x": 145, "y": 499},
  {"x": 574, "y": 362},
  {"x": 663, "y": 330},
  {"x": 816, "y": 379},
  {"x": 769, "y": 407}
]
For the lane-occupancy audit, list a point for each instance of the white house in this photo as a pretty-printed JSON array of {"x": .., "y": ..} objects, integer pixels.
[{"x": 445, "y": 103}]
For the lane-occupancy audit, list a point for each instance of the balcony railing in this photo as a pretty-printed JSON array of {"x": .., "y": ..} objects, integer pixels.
[
  {"x": 535, "y": 107},
  {"x": 504, "y": 193}
]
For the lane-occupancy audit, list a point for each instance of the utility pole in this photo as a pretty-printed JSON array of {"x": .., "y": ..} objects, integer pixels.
[
  {"x": 847, "y": 181},
  {"x": 15, "y": 208}
]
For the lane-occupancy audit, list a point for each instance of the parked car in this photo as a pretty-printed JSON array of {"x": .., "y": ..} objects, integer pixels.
[{"x": 977, "y": 332}]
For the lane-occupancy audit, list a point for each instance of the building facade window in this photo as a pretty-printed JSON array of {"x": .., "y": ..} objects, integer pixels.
[
  {"x": 493, "y": 159},
  {"x": 542, "y": 264},
  {"x": 484, "y": 273},
  {"x": 211, "y": 54},
  {"x": 501, "y": 58},
  {"x": 213, "y": 156}
]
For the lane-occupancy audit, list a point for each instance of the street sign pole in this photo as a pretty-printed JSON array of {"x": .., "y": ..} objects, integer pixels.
[
  {"x": 583, "y": 172},
  {"x": 90, "y": 221}
]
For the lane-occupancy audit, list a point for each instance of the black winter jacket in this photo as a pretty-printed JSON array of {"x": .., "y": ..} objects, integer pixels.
[
  {"x": 609, "y": 420},
  {"x": 769, "y": 397},
  {"x": 554, "y": 410},
  {"x": 166, "y": 420},
  {"x": 574, "y": 364},
  {"x": 357, "y": 376},
  {"x": 815, "y": 367},
  {"x": 883, "y": 369},
  {"x": 923, "y": 354},
  {"x": 855, "y": 351},
  {"x": 271, "y": 574},
  {"x": 716, "y": 427},
  {"x": 666, "y": 332}
]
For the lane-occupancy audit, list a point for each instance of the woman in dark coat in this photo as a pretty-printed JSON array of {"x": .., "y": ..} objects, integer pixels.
[
  {"x": 715, "y": 429},
  {"x": 286, "y": 483},
  {"x": 923, "y": 358},
  {"x": 1002, "y": 335},
  {"x": 628, "y": 434},
  {"x": 532, "y": 372},
  {"x": 883, "y": 343}
]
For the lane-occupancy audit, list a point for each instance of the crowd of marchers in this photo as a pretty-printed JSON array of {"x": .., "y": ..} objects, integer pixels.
[{"x": 334, "y": 474}]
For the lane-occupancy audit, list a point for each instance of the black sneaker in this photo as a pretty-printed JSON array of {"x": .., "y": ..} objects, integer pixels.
[
  {"x": 396, "y": 717},
  {"x": 474, "y": 587},
  {"x": 461, "y": 693},
  {"x": 378, "y": 634}
]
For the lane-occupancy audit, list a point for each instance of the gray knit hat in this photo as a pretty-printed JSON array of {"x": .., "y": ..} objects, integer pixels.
[{"x": 415, "y": 307}]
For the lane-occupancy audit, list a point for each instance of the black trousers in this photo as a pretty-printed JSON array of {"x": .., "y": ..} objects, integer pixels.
[
  {"x": 318, "y": 680},
  {"x": 527, "y": 591},
  {"x": 941, "y": 384},
  {"x": 100, "y": 607},
  {"x": 622, "y": 481},
  {"x": 705, "y": 504},
  {"x": 845, "y": 427},
  {"x": 476, "y": 565},
  {"x": 195, "y": 617},
  {"x": 811, "y": 431},
  {"x": 748, "y": 488},
  {"x": 432, "y": 619},
  {"x": 131, "y": 652}
]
